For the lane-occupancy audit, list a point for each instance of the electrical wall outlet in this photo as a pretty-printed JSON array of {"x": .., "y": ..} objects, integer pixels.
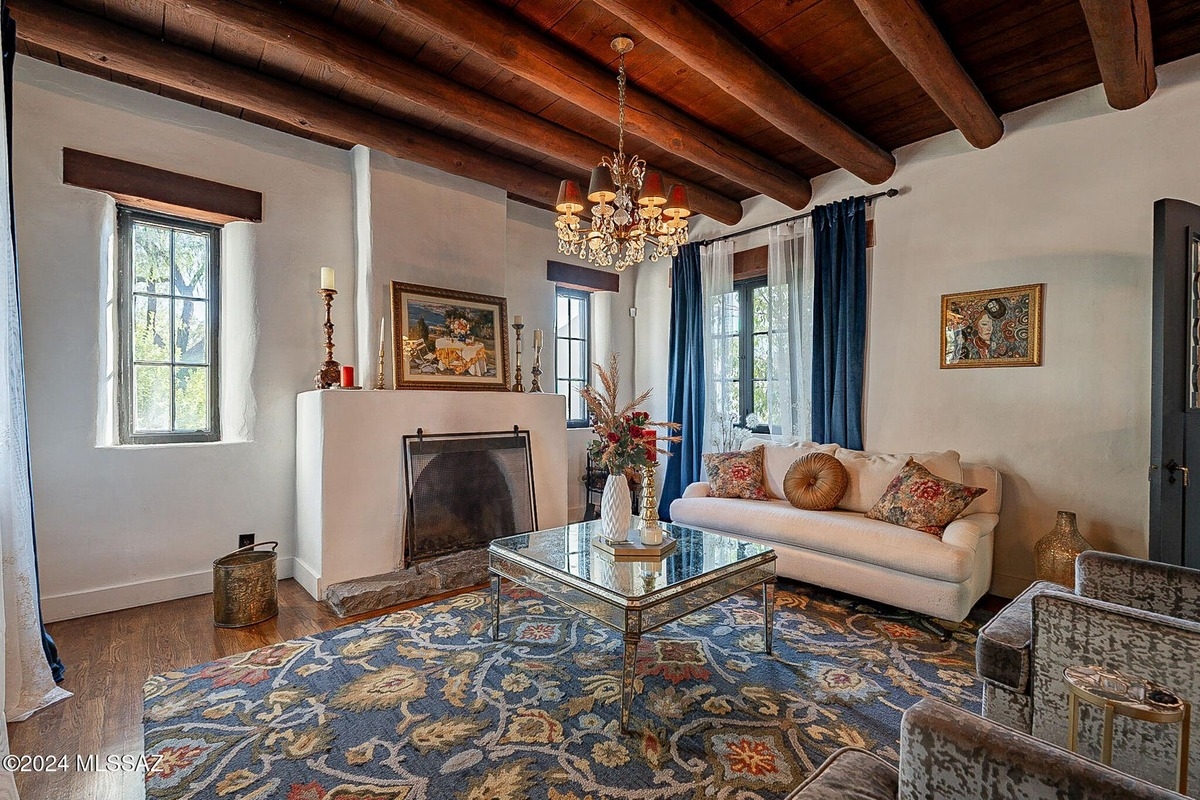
[{"x": 245, "y": 539}]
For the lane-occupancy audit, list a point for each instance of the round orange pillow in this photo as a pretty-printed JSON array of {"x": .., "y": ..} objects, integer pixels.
[{"x": 815, "y": 482}]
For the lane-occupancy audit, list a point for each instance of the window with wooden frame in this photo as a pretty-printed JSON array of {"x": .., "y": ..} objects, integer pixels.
[
  {"x": 572, "y": 351},
  {"x": 741, "y": 353},
  {"x": 167, "y": 300}
]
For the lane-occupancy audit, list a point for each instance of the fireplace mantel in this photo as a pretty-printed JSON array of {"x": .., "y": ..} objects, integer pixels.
[{"x": 350, "y": 487}]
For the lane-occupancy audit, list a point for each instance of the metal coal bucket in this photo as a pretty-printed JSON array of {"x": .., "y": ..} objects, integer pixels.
[{"x": 245, "y": 588}]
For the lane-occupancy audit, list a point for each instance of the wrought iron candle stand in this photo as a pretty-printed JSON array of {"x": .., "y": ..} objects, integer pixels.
[
  {"x": 518, "y": 381},
  {"x": 536, "y": 384},
  {"x": 330, "y": 372}
]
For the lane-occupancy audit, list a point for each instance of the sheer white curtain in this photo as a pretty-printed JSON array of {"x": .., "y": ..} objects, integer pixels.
[
  {"x": 27, "y": 684},
  {"x": 720, "y": 344},
  {"x": 789, "y": 320}
]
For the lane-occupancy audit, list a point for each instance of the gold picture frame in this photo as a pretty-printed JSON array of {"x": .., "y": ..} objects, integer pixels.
[
  {"x": 992, "y": 328},
  {"x": 447, "y": 339}
]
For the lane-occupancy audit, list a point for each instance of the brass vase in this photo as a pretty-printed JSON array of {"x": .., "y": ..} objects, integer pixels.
[{"x": 1054, "y": 554}]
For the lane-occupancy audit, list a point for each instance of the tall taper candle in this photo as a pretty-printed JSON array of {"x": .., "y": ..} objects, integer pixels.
[
  {"x": 537, "y": 338},
  {"x": 327, "y": 278},
  {"x": 382, "y": 353}
]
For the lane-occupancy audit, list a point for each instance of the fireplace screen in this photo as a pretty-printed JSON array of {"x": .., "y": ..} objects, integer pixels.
[{"x": 464, "y": 490}]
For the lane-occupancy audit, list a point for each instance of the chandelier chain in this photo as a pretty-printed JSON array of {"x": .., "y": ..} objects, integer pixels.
[{"x": 621, "y": 111}]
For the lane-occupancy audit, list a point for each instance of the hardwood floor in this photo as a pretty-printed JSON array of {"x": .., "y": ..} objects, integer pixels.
[{"x": 109, "y": 656}]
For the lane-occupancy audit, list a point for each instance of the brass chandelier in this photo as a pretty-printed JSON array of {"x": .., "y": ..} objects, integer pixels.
[{"x": 631, "y": 212}]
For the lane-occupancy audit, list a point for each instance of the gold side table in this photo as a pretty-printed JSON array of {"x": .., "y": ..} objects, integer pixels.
[{"x": 1128, "y": 696}]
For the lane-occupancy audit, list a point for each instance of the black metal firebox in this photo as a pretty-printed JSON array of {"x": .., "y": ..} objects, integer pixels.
[{"x": 466, "y": 489}]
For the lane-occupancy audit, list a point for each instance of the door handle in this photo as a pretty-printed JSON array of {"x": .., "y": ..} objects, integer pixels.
[{"x": 1173, "y": 467}]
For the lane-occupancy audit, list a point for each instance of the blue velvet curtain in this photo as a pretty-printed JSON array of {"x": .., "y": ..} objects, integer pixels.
[
  {"x": 839, "y": 321},
  {"x": 685, "y": 383},
  {"x": 8, "y": 35}
]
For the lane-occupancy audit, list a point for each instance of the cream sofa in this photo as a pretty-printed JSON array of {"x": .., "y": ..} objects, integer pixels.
[{"x": 845, "y": 551}]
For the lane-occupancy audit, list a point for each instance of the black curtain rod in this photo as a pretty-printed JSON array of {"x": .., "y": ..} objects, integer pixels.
[{"x": 870, "y": 198}]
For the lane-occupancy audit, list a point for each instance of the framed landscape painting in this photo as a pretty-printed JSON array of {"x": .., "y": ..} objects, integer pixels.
[
  {"x": 993, "y": 328},
  {"x": 445, "y": 339}
]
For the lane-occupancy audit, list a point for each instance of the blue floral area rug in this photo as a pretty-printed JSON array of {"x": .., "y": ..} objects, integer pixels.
[{"x": 423, "y": 705}]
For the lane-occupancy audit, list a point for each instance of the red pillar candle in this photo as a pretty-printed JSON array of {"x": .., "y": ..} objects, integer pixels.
[
  {"x": 650, "y": 438},
  {"x": 347, "y": 376}
]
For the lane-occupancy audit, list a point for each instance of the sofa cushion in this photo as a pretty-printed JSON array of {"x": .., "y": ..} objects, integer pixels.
[
  {"x": 918, "y": 499},
  {"x": 779, "y": 456},
  {"x": 736, "y": 474},
  {"x": 842, "y": 533},
  {"x": 816, "y": 482},
  {"x": 1002, "y": 650},
  {"x": 870, "y": 473},
  {"x": 988, "y": 478}
]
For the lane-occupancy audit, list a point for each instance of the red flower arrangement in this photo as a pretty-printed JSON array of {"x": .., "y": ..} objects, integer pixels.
[{"x": 627, "y": 437}]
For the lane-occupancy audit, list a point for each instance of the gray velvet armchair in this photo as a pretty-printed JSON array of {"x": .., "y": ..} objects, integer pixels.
[
  {"x": 950, "y": 754},
  {"x": 1136, "y": 616}
]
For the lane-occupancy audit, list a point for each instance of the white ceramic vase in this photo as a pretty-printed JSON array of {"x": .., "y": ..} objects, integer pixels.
[{"x": 616, "y": 508}]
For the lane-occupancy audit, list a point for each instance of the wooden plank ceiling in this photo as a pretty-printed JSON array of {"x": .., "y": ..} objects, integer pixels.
[{"x": 1017, "y": 52}]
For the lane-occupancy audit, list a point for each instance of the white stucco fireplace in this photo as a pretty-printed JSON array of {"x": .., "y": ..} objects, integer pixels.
[{"x": 350, "y": 487}]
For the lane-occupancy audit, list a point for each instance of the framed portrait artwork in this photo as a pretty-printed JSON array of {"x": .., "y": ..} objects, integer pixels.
[
  {"x": 446, "y": 339},
  {"x": 993, "y": 328}
]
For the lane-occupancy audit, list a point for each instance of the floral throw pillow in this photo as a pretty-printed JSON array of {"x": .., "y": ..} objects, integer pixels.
[
  {"x": 918, "y": 499},
  {"x": 736, "y": 474}
]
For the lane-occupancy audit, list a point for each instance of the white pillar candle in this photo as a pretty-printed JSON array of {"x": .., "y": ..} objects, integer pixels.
[
  {"x": 537, "y": 338},
  {"x": 517, "y": 319},
  {"x": 327, "y": 277}
]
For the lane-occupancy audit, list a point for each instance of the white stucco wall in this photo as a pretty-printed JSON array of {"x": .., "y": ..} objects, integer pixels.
[
  {"x": 125, "y": 526},
  {"x": 1065, "y": 199}
]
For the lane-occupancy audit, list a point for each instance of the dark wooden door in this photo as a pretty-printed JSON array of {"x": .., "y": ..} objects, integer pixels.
[{"x": 1175, "y": 399}]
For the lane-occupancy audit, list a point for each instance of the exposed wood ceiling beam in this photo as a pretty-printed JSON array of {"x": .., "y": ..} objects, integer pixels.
[
  {"x": 525, "y": 51},
  {"x": 334, "y": 48},
  {"x": 1120, "y": 32},
  {"x": 907, "y": 30},
  {"x": 108, "y": 45},
  {"x": 714, "y": 52}
]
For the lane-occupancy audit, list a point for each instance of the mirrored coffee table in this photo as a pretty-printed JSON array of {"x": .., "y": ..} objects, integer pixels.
[{"x": 632, "y": 597}]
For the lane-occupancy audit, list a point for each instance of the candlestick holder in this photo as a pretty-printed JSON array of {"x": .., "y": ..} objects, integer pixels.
[
  {"x": 382, "y": 358},
  {"x": 650, "y": 526},
  {"x": 535, "y": 385},
  {"x": 518, "y": 384},
  {"x": 330, "y": 373}
]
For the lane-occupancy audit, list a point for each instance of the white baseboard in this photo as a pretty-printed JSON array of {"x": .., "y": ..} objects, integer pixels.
[
  {"x": 306, "y": 577},
  {"x": 70, "y": 605}
]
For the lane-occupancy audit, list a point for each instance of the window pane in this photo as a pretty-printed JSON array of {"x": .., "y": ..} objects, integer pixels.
[
  {"x": 762, "y": 356},
  {"x": 562, "y": 358},
  {"x": 562, "y": 316},
  {"x": 151, "y": 328},
  {"x": 578, "y": 407},
  {"x": 191, "y": 398},
  {"x": 191, "y": 264},
  {"x": 579, "y": 367},
  {"x": 762, "y": 309},
  {"x": 760, "y": 402},
  {"x": 578, "y": 323},
  {"x": 151, "y": 399},
  {"x": 191, "y": 331},
  {"x": 726, "y": 314},
  {"x": 151, "y": 258}
]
